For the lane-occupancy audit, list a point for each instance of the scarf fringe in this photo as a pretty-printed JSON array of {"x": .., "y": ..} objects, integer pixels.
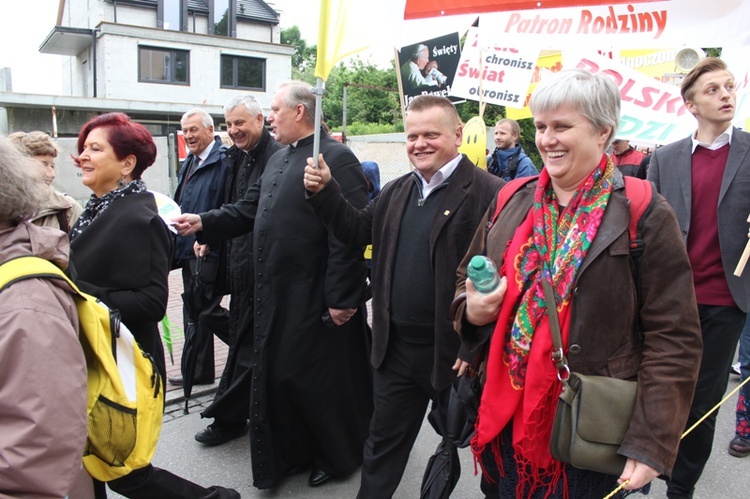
[
  {"x": 532, "y": 479},
  {"x": 495, "y": 449}
]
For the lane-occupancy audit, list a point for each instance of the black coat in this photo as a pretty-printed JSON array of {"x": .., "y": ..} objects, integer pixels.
[
  {"x": 468, "y": 194},
  {"x": 231, "y": 403},
  {"x": 245, "y": 170},
  {"x": 123, "y": 258},
  {"x": 311, "y": 393}
]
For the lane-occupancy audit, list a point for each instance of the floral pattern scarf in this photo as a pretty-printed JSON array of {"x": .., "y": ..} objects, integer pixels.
[
  {"x": 522, "y": 385},
  {"x": 96, "y": 206}
]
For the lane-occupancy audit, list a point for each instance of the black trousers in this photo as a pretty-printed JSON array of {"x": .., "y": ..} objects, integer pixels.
[
  {"x": 231, "y": 405},
  {"x": 402, "y": 391},
  {"x": 212, "y": 320},
  {"x": 150, "y": 482},
  {"x": 720, "y": 329}
]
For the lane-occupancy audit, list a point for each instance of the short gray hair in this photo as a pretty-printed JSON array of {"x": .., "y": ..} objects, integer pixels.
[
  {"x": 251, "y": 105},
  {"x": 206, "y": 118},
  {"x": 595, "y": 96},
  {"x": 34, "y": 143},
  {"x": 300, "y": 93},
  {"x": 418, "y": 50},
  {"x": 22, "y": 184}
]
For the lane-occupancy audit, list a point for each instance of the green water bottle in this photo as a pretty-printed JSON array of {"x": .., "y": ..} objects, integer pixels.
[{"x": 483, "y": 274}]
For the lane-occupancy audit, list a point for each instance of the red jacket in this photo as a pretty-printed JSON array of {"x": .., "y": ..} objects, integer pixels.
[{"x": 629, "y": 157}]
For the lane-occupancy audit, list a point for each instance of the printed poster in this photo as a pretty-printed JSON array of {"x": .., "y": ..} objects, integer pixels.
[
  {"x": 428, "y": 67},
  {"x": 497, "y": 75}
]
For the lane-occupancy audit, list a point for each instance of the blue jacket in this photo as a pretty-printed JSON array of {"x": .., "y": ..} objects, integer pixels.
[
  {"x": 204, "y": 192},
  {"x": 499, "y": 162},
  {"x": 372, "y": 172}
]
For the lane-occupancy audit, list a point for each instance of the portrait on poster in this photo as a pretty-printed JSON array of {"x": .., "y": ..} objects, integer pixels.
[{"x": 428, "y": 67}]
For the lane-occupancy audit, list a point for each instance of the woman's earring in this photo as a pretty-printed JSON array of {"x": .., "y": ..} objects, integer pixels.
[{"x": 121, "y": 183}]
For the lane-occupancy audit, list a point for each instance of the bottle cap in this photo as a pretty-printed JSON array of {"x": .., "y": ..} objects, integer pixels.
[{"x": 478, "y": 263}]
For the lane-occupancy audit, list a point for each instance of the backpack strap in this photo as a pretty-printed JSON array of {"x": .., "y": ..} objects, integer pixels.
[
  {"x": 513, "y": 165},
  {"x": 29, "y": 267},
  {"x": 640, "y": 194},
  {"x": 505, "y": 193}
]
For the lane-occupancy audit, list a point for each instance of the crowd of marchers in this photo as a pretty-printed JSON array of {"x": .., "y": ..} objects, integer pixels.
[{"x": 317, "y": 386}]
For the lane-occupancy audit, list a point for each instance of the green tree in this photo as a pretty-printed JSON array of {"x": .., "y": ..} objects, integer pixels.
[
  {"x": 364, "y": 105},
  {"x": 304, "y": 56},
  {"x": 713, "y": 52}
]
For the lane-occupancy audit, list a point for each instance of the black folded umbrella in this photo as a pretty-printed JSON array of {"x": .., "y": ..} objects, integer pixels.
[
  {"x": 453, "y": 414},
  {"x": 193, "y": 299},
  {"x": 442, "y": 472},
  {"x": 454, "y": 410}
]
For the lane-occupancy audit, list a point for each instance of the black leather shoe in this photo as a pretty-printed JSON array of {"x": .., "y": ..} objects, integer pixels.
[
  {"x": 318, "y": 477},
  {"x": 739, "y": 447},
  {"x": 217, "y": 435}
]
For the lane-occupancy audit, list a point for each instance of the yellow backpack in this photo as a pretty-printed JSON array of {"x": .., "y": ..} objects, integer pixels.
[{"x": 125, "y": 390}]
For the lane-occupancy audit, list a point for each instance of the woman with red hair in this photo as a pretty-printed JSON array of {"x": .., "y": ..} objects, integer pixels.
[{"x": 121, "y": 252}]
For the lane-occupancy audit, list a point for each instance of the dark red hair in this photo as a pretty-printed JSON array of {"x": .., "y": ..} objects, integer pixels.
[{"x": 125, "y": 136}]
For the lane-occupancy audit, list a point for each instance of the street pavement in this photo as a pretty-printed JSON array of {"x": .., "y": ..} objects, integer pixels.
[{"x": 725, "y": 477}]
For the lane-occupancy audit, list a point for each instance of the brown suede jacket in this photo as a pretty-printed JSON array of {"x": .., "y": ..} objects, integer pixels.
[{"x": 604, "y": 340}]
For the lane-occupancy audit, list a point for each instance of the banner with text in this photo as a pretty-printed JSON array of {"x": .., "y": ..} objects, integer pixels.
[
  {"x": 652, "y": 111},
  {"x": 498, "y": 75},
  {"x": 665, "y": 24},
  {"x": 545, "y": 65}
]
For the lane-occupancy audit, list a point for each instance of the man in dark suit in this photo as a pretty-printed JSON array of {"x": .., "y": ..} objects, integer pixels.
[
  {"x": 200, "y": 188},
  {"x": 706, "y": 179},
  {"x": 420, "y": 227}
]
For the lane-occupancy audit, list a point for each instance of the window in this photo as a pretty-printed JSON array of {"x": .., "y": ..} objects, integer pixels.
[
  {"x": 172, "y": 14},
  {"x": 222, "y": 17},
  {"x": 247, "y": 73},
  {"x": 159, "y": 65}
]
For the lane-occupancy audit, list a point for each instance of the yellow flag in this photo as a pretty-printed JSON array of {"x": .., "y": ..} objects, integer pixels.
[{"x": 349, "y": 26}]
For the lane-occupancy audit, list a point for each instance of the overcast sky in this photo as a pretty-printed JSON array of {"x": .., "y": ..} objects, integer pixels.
[{"x": 24, "y": 24}]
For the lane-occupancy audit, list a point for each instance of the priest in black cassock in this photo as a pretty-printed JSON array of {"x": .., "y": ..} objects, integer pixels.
[{"x": 311, "y": 397}]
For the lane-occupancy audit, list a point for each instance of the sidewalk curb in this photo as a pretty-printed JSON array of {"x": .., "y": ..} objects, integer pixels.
[{"x": 177, "y": 396}]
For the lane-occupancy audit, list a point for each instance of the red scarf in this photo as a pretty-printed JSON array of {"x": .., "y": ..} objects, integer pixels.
[{"x": 522, "y": 384}]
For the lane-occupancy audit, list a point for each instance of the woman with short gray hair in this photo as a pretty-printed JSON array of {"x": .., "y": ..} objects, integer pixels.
[{"x": 569, "y": 228}]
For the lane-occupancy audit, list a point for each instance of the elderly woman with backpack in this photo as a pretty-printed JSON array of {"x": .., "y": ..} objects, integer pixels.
[{"x": 42, "y": 367}]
